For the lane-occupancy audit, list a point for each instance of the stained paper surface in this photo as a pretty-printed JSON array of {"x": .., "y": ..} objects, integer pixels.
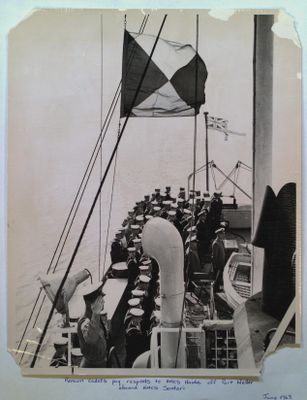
[{"x": 54, "y": 115}]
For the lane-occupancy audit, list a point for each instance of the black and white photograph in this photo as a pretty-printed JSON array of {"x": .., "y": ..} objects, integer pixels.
[{"x": 154, "y": 185}]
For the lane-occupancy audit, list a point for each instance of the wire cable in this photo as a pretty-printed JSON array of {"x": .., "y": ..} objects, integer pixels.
[
  {"x": 92, "y": 161},
  {"x": 193, "y": 198},
  {"x": 95, "y": 200}
]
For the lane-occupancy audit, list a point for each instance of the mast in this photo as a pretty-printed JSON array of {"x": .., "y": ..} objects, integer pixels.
[
  {"x": 262, "y": 127},
  {"x": 207, "y": 151}
]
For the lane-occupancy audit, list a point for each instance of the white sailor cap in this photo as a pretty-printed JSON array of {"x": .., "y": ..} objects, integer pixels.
[
  {"x": 135, "y": 227},
  {"x": 172, "y": 213},
  {"x": 158, "y": 301},
  {"x": 139, "y": 218},
  {"x": 192, "y": 229},
  {"x": 186, "y": 211},
  {"x": 202, "y": 212},
  {"x": 220, "y": 230},
  {"x": 144, "y": 278},
  {"x": 147, "y": 262},
  {"x": 167, "y": 202},
  {"x": 157, "y": 209},
  {"x": 191, "y": 238},
  {"x": 120, "y": 266},
  {"x": 174, "y": 205},
  {"x": 74, "y": 314},
  {"x": 136, "y": 312},
  {"x": 76, "y": 352},
  {"x": 223, "y": 224},
  {"x": 148, "y": 217},
  {"x": 137, "y": 292},
  {"x": 134, "y": 302},
  {"x": 154, "y": 202},
  {"x": 131, "y": 249},
  {"x": 60, "y": 340},
  {"x": 140, "y": 235},
  {"x": 157, "y": 314},
  {"x": 144, "y": 268},
  {"x": 137, "y": 240}
]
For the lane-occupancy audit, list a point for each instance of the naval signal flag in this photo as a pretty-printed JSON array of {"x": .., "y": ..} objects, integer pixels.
[{"x": 168, "y": 88}]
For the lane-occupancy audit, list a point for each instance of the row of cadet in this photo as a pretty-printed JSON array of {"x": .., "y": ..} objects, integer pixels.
[
  {"x": 197, "y": 219},
  {"x": 92, "y": 344},
  {"x": 193, "y": 216},
  {"x": 193, "y": 220},
  {"x": 144, "y": 302}
]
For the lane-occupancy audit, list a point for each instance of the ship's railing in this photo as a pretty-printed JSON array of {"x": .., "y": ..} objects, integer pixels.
[
  {"x": 211, "y": 346},
  {"x": 188, "y": 334}
]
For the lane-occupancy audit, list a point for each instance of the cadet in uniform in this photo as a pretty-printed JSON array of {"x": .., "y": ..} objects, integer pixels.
[
  {"x": 158, "y": 195},
  {"x": 91, "y": 331},
  {"x": 168, "y": 193},
  {"x": 182, "y": 193},
  {"x": 59, "y": 358},
  {"x": 203, "y": 234},
  {"x": 215, "y": 211},
  {"x": 132, "y": 265},
  {"x": 218, "y": 258},
  {"x": 166, "y": 208},
  {"x": 135, "y": 338},
  {"x": 180, "y": 209},
  {"x": 115, "y": 251},
  {"x": 192, "y": 262},
  {"x": 135, "y": 229}
]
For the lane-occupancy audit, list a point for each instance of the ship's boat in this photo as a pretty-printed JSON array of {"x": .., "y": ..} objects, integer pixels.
[{"x": 238, "y": 279}]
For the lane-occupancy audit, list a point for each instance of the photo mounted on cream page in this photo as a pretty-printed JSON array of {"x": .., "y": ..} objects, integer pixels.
[{"x": 153, "y": 191}]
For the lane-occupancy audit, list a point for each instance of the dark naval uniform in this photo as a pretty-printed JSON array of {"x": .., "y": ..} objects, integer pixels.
[
  {"x": 192, "y": 263},
  {"x": 218, "y": 261},
  {"x": 117, "y": 252},
  {"x": 203, "y": 237},
  {"x": 93, "y": 343},
  {"x": 133, "y": 271},
  {"x": 215, "y": 213}
]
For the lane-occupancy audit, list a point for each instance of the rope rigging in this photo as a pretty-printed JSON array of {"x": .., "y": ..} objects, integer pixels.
[
  {"x": 95, "y": 199},
  {"x": 193, "y": 198},
  {"x": 235, "y": 171},
  {"x": 100, "y": 158},
  {"x": 75, "y": 206},
  {"x": 141, "y": 30},
  {"x": 110, "y": 209}
]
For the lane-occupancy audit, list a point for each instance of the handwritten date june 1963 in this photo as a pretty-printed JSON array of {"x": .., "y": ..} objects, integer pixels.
[{"x": 269, "y": 396}]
